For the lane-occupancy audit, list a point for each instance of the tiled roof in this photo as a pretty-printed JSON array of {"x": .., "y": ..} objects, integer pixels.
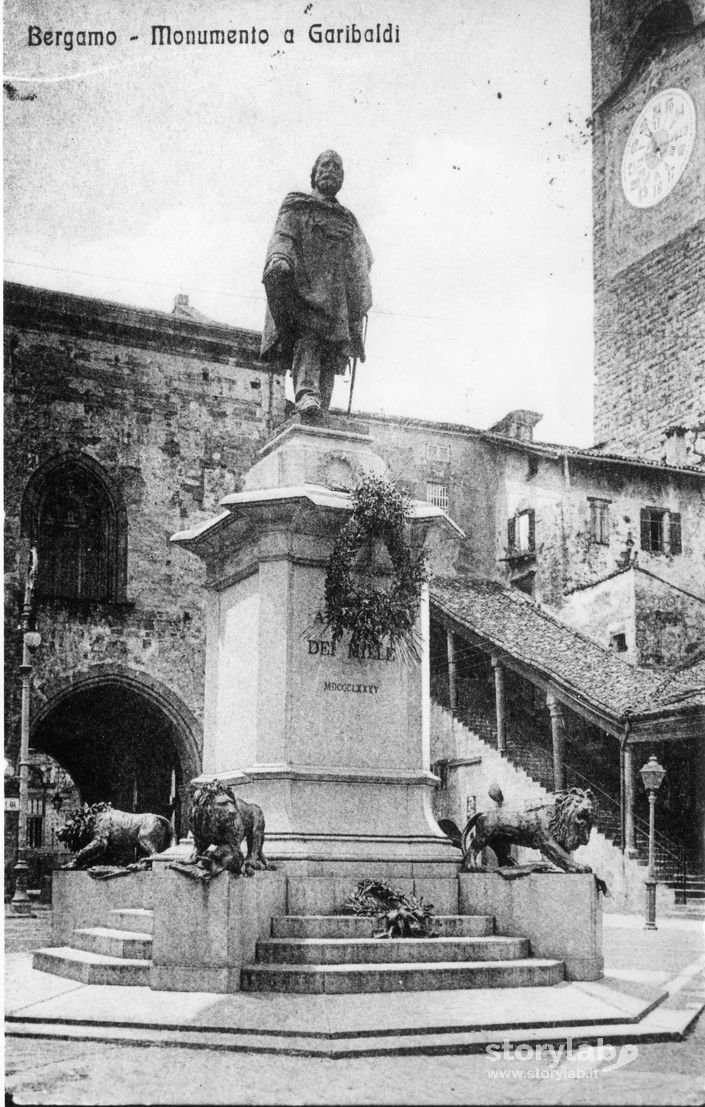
[
  {"x": 685, "y": 686},
  {"x": 515, "y": 624},
  {"x": 547, "y": 449},
  {"x": 595, "y": 453}
]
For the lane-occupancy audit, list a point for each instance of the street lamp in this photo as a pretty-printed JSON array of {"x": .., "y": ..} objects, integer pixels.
[
  {"x": 21, "y": 903},
  {"x": 652, "y": 775}
]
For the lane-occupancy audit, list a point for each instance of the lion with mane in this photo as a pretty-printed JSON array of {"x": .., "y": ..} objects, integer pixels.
[
  {"x": 220, "y": 821},
  {"x": 100, "y": 834},
  {"x": 556, "y": 827}
]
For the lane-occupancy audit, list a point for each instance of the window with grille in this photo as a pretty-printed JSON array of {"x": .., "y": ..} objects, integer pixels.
[
  {"x": 437, "y": 494},
  {"x": 600, "y": 521},
  {"x": 35, "y": 836}
]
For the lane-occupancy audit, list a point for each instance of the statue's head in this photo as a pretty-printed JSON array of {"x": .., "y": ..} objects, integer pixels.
[{"x": 327, "y": 173}]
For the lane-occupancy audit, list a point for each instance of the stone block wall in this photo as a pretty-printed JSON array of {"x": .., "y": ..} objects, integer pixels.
[
  {"x": 650, "y": 349},
  {"x": 566, "y": 554},
  {"x": 174, "y": 413},
  {"x": 649, "y": 263},
  {"x": 454, "y": 457}
]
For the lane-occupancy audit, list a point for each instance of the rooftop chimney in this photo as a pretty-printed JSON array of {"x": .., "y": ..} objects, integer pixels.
[
  {"x": 676, "y": 446},
  {"x": 518, "y": 424}
]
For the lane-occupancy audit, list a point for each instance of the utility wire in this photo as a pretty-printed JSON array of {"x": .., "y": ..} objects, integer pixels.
[{"x": 204, "y": 291}]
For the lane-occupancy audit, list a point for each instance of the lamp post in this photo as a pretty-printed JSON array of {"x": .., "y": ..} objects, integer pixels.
[
  {"x": 21, "y": 903},
  {"x": 652, "y": 775}
]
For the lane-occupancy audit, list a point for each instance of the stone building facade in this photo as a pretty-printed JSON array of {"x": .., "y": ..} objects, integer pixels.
[
  {"x": 649, "y": 226},
  {"x": 120, "y": 426},
  {"x": 554, "y": 519},
  {"x": 124, "y": 426}
]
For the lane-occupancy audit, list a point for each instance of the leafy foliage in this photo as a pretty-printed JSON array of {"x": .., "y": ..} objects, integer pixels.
[
  {"x": 401, "y": 914},
  {"x": 373, "y": 616},
  {"x": 79, "y": 825}
]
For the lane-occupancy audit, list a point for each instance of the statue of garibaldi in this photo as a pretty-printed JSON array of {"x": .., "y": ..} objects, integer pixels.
[{"x": 317, "y": 281}]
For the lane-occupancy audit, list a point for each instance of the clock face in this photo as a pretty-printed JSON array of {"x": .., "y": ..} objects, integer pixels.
[{"x": 658, "y": 148}]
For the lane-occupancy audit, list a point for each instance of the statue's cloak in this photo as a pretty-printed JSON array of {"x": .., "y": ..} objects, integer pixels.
[{"x": 328, "y": 289}]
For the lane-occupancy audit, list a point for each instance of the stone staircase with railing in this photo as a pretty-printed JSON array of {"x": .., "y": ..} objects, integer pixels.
[
  {"x": 530, "y": 779},
  {"x": 523, "y": 751}
]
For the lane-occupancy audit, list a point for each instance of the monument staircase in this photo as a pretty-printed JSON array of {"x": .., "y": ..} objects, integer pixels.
[
  {"x": 118, "y": 953},
  {"x": 321, "y": 953},
  {"x": 533, "y": 763}
]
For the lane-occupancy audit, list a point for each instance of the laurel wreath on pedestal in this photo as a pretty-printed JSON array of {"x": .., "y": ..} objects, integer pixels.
[{"x": 376, "y": 617}]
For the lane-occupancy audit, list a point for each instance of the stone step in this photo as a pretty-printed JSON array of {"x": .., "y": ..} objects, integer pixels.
[
  {"x": 360, "y": 926},
  {"x": 696, "y": 909},
  {"x": 659, "y": 1025},
  {"x": 128, "y": 944},
  {"x": 136, "y": 919},
  {"x": 691, "y": 894},
  {"x": 91, "y": 968},
  {"x": 531, "y": 972},
  {"x": 369, "y": 951}
]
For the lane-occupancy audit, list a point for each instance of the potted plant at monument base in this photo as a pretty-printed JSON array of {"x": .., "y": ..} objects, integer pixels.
[{"x": 400, "y": 914}]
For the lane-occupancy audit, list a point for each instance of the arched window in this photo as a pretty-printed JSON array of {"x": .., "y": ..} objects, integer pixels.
[
  {"x": 74, "y": 520},
  {"x": 671, "y": 18}
]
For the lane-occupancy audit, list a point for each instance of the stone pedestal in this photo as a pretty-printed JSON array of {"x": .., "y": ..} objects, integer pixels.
[
  {"x": 560, "y": 914},
  {"x": 80, "y": 901},
  {"x": 205, "y": 933},
  {"x": 335, "y": 747}
]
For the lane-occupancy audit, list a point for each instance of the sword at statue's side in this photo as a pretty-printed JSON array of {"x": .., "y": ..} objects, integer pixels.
[{"x": 354, "y": 364}]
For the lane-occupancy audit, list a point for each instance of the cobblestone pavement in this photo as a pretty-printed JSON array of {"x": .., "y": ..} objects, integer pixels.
[{"x": 45, "y": 1071}]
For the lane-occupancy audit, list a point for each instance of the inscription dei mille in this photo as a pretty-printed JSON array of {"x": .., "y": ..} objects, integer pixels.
[{"x": 322, "y": 647}]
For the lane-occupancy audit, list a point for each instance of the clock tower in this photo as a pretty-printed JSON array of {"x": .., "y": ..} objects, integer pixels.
[{"x": 649, "y": 217}]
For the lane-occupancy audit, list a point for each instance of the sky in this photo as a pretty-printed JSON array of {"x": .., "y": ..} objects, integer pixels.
[{"x": 135, "y": 172}]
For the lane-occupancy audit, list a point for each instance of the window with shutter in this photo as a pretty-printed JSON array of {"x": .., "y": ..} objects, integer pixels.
[
  {"x": 600, "y": 521},
  {"x": 652, "y": 519},
  {"x": 674, "y": 532},
  {"x": 521, "y": 532},
  {"x": 511, "y": 534},
  {"x": 532, "y": 530}
]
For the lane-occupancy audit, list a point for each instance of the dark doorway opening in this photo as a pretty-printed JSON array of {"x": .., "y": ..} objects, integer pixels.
[{"x": 118, "y": 746}]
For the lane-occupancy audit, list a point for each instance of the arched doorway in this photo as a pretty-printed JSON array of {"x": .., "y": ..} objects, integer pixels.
[{"x": 122, "y": 740}]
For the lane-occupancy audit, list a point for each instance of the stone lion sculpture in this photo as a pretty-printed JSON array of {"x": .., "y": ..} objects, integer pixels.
[
  {"x": 220, "y": 822},
  {"x": 556, "y": 827},
  {"x": 100, "y": 834}
]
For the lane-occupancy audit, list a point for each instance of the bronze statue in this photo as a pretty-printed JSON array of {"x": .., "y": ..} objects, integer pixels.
[
  {"x": 220, "y": 821},
  {"x": 102, "y": 835},
  {"x": 556, "y": 827},
  {"x": 316, "y": 277}
]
